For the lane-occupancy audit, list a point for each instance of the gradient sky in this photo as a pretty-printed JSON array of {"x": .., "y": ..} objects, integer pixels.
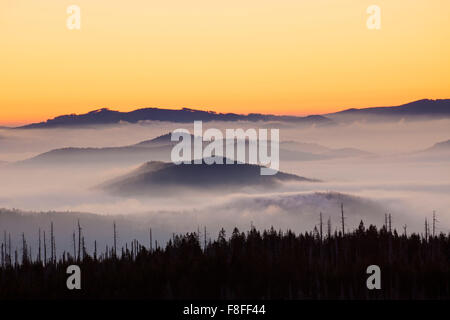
[{"x": 277, "y": 56}]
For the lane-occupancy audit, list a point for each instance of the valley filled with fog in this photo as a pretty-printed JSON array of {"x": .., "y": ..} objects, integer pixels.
[{"x": 372, "y": 168}]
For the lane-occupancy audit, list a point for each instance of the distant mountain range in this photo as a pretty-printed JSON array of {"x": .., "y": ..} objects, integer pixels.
[
  {"x": 161, "y": 177},
  {"x": 159, "y": 149},
  {"x": 421, "y": 109},
  {"x": 105, "y": 116},
  {"x": 300, "y": 151},
  {"x": 417, "y": 110}
]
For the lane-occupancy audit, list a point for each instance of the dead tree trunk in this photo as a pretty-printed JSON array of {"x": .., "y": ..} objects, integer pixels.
[
  {"x": 79, "y": 241},
  {"x": 83, "y": 249},
  {"x": 329, "y": 228},
  {"x": 115, "y": 240},
  {"x": 151, "y": 242},
  {"x": 4, "y": 253},
  {"x": 390, "y": 223},
  {"x": 74, "y": 246},
  {"x": 39, "y": 254},
  {"x": 321, "y": 226},
  {"x": 9, "y": 249},
  {"x": 434, "y": 223},
  {"x": 204, "y": 247},
  {"x": 51, "y": 242},
  {"x": 45, "y": 250},
  {"x": 24, "y": 249}
]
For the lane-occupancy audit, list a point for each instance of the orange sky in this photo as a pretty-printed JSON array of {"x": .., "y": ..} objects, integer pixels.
[{"x": 268, "y": 56}]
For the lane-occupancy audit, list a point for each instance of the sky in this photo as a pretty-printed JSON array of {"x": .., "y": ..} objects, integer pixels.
[{"x": 268, "y": 56}]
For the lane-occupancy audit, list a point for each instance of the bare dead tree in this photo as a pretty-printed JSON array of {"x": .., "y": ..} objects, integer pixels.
[
  {"x": 115, "y": 240},
  {"x": 151, "y": 242},
  {"x": 54, "y": 248},
  {"x": 74, "y": 245},
  {"x": 45, "y": 250},
  {"x": 404, "y": 230},
  {"x": 204, "y": 235},
  {"x": 132, "y": 249},
  {"x": 4, "y": 253},
  {"x": 329, "y": 227},
  {"x": 39, "y": 254},
  {"x": 83, "y": 249},
  {"x": 321, "y": 226},
  {"x": 51, "y": 241},
  {"x": 385, "y": 221},
  {"x": 9, "y": 248},
  {"x": 434, "y": 223},
  {"x": 342, "y": 219},
  {"x": 24, "y": 249},
  {"x": 3, "y": 245},
  {"x": 390, "y": 223},
  {"x": 79, "y": 241}
]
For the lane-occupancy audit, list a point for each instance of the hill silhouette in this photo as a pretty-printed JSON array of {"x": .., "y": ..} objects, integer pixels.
[
  {"x": 106, "y": 116},
  {"x": 159, "y": 176},
  {"x": 159, "y": 149}
]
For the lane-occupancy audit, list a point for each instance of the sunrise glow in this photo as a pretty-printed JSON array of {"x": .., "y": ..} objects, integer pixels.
[{"x": 281, "y": 57}]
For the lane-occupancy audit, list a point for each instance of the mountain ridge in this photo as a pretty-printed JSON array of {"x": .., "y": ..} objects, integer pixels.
[
  {"x": 424, "y": 108},
  {"x": 106, "y": 116},
  {"x": 159, "y": 148},
  {"x": 419, "y": 109}
]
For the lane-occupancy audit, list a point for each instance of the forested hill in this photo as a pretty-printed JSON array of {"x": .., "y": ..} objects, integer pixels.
[{"x": 253, "y": 265}]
